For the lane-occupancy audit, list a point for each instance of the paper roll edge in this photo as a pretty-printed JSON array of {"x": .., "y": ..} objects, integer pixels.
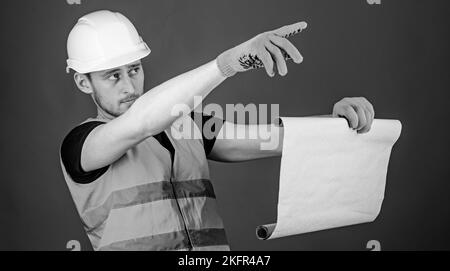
[{"x": 264, "y": 232}]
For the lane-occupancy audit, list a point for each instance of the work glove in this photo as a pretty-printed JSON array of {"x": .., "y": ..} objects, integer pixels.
[{"x": 262, "y": 51}]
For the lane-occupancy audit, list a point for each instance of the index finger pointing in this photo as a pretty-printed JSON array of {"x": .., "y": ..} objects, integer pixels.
[{"x": 290, "y": 30}]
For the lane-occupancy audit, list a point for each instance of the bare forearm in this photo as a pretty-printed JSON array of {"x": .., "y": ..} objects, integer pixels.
[
  {"x": 155, "y": 109},
  {"x": 256, "y": 142},
  {"x": 239, "y": 142}
]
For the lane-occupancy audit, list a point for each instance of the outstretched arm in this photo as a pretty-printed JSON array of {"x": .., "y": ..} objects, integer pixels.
[
  {"x": 239, "y": 142},
  {"x": 153, "y": 111}
]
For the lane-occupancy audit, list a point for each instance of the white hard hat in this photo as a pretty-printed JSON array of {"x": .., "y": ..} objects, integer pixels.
[{"x": 103, "y": 40}]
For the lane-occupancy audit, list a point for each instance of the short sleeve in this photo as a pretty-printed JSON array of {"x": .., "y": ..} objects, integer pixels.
[{"x": 71, "y": 153}]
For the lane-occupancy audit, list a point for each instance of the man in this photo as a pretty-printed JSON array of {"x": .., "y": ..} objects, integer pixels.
[{"x": 135, "y": 186}]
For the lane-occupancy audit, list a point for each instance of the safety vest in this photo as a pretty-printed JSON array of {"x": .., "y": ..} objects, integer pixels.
[{"x": 146, "y": 202}]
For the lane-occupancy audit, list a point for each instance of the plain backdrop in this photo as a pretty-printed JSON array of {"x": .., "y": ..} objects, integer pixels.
[{"x": 395, "y": 54}]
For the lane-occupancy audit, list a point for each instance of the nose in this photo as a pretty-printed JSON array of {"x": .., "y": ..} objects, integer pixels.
[{"x": 127, "y": 85}]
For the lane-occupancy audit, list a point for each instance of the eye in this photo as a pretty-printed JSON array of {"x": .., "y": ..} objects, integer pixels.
[
  {"x": 114, "y": 76},
  {"x": 135, "y": 71}
]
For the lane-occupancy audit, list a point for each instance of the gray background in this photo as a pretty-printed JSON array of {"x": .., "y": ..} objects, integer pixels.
[{"x": 396, "y": 54}]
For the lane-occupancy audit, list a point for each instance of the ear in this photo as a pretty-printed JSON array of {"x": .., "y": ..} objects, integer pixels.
[{"x": 83, "y": 83}]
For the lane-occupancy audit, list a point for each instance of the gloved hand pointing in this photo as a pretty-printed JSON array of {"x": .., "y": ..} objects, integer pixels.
[{"x": 262, "y": 51}]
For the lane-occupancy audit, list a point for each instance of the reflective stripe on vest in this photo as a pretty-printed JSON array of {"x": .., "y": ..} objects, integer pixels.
[{"x": 142, "y": 203}]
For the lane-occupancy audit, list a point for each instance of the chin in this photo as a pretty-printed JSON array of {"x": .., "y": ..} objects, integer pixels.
[{"x": 123, "y": 109}]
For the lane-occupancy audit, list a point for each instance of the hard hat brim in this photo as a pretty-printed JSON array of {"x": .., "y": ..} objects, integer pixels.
[{"x": 134, "y": 54}]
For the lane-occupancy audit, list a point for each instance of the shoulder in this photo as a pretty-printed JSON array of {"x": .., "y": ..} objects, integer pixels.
[
  {"x": 70, "y": 151},
  {"x": 78, "y": 134}
]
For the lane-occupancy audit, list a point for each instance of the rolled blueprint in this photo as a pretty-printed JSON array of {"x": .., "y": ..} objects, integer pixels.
[{"x": 330, "y": 176}]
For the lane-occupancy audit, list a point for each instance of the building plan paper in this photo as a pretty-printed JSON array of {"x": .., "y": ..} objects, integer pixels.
[{"x": 330, "y": 175}]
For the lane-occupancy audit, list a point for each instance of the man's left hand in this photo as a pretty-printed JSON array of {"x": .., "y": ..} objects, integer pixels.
[{"x": 358, "y": 111}]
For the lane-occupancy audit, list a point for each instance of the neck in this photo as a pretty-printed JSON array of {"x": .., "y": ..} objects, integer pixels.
[{"x": 101, "y": 114}]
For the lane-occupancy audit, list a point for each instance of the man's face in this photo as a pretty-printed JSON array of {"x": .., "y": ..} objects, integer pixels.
[{"x": 115, "y": 90}]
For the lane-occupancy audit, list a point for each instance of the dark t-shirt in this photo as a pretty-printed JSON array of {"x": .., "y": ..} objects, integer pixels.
[{"x": 74, "y": 140}]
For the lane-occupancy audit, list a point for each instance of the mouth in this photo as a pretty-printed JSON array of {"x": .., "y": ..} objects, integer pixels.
[{"x": 129, "y": 100}]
